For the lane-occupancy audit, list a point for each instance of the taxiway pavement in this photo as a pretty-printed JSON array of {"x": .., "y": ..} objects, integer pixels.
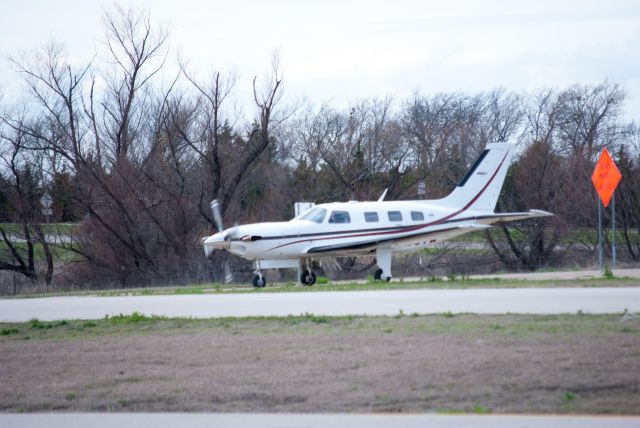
[{"x": 332, "y": 303}]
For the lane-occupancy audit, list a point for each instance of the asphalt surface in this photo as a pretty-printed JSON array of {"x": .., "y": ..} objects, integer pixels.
[
  {"x": 283, "y": 420},
  {"x": 332, "y": 303}
]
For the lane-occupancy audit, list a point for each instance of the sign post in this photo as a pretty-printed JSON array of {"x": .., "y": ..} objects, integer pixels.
[
  {"x": 613, "y": 231},
  {"x": 46, "y": 202},
  {"x": 422, "y": 189},
  {"x": 605, "y": 179},
  {"x": 600, "y": 256}
]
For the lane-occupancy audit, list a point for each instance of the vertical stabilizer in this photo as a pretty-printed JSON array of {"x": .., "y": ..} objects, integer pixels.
[{"x": 480, "y": 188}]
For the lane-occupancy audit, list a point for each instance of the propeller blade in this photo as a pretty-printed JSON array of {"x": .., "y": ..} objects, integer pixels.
[
  {"x": 217, "y": 216},
  {"x": 228, "y": 275}
]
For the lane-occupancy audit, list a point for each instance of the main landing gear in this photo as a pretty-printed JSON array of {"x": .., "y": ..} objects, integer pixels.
[
  {"x": 305, "y": 274},
  {"x": 307, "y": 278},
  {"x": 259, "y": 281}
]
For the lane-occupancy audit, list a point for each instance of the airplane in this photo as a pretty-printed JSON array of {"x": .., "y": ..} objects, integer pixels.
[{"x": 375, "y": 228}]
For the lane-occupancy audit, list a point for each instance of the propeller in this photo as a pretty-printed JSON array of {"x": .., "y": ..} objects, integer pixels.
[
  {"x": 217, "y": 216},
  {"x": 231, "y": 233}
]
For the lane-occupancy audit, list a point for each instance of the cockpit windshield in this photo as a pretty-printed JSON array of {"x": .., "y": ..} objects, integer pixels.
[{"x": 316, "y": 215}]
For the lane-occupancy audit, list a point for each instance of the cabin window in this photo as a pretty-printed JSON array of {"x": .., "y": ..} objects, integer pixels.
[
  {"x": 316, "y": 215},
  {"x": 395, "y": 215},
  {"x": 339, "y": 217},
  {"x": 417, "y": 216},
  {"x": 371, "y": 217}
]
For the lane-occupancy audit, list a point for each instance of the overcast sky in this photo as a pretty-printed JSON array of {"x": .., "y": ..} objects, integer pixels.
[{"x": 338, "y": 50}]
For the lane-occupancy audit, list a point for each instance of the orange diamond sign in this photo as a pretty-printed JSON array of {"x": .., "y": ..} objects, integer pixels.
[{"x": 605, "y": 177}]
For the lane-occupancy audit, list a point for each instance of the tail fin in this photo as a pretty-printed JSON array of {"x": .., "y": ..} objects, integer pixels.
[{"x": 480, "y": 188}]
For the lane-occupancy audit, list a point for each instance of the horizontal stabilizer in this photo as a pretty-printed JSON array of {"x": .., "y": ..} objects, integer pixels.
[
  {"x": 514, "y": 216},
  {"x": 540, "y": 213}
]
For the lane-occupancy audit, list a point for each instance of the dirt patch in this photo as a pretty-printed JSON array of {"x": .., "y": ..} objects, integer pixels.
[{"x": 563, "y": 364}]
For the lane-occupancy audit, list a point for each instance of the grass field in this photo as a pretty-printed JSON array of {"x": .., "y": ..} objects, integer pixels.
[
  {"x": 47, "y": 228},
  {"x": 444, "y": 323},
  {"x": 408, "y": 363},
  {"x": 58, "y": 254}
]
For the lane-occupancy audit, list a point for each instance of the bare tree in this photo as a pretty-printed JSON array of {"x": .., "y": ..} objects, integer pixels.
[
  {"x": 588, "y": 119},
  {"x": 564, "y": 132},
  {"x": 538, "y": 179},
  {"x": 628, "y": 193},
  {"x": 55, "y": 87},
  {"x": 448, "y": 131},
  {"x": 225, "y": 156},
  {"x": 207, "y": 134},
  {"x": 138, "y": 52},
  {"x": 266, "y": 99},
  {"x": 24, "y": 204},
  {"x": 356, "y": 152}
]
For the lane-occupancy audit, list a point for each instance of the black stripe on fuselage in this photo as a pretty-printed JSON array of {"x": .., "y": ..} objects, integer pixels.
[{"x": 363, "y": 245}]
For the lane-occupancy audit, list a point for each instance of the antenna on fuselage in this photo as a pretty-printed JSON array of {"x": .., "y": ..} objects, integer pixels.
[
  {"x": 381, "y": 198},
  {"x": 353, "y": 193}
]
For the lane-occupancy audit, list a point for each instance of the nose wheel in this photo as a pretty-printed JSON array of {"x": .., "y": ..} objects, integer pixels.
[
  {"x": 307, "y": 278},
  {"x": 259, "y": 281},
  {"x": 378, "y": 276}
]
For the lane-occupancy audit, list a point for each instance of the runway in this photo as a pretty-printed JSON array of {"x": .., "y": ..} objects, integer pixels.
[
  {"x": 287, "y": 420},
  {"x": 382, "y": 302}
]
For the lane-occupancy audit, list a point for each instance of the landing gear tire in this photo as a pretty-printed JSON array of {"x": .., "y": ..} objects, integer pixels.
[
  {"x": 259, "y": 281},
  {"x": 307, "y": 278},
  {"x": 378, "y": 276}
]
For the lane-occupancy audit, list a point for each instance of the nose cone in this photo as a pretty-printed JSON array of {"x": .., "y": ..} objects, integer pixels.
[{"x": 216, "y": 241}]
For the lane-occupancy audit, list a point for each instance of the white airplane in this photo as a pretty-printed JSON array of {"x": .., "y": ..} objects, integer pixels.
[{"x": 379, "y": 229}]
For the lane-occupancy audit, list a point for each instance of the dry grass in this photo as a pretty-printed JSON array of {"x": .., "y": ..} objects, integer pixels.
[{"x": 564, "y": 364}]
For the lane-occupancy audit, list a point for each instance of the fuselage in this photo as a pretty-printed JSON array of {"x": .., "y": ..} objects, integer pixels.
[{"x": 346, "y": 228}]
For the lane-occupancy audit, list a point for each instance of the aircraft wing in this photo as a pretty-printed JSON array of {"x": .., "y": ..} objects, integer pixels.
[{"x": 370, "y": 245}]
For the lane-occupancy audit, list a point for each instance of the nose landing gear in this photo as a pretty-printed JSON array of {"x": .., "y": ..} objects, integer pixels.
[
  {"x": 383, "y": 260},
  {"x": 378, "y": 276},
  {"x": 259, "y": 281}
]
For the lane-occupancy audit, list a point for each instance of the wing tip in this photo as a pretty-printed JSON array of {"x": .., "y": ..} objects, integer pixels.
[{"x": 540, "y": 213}]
